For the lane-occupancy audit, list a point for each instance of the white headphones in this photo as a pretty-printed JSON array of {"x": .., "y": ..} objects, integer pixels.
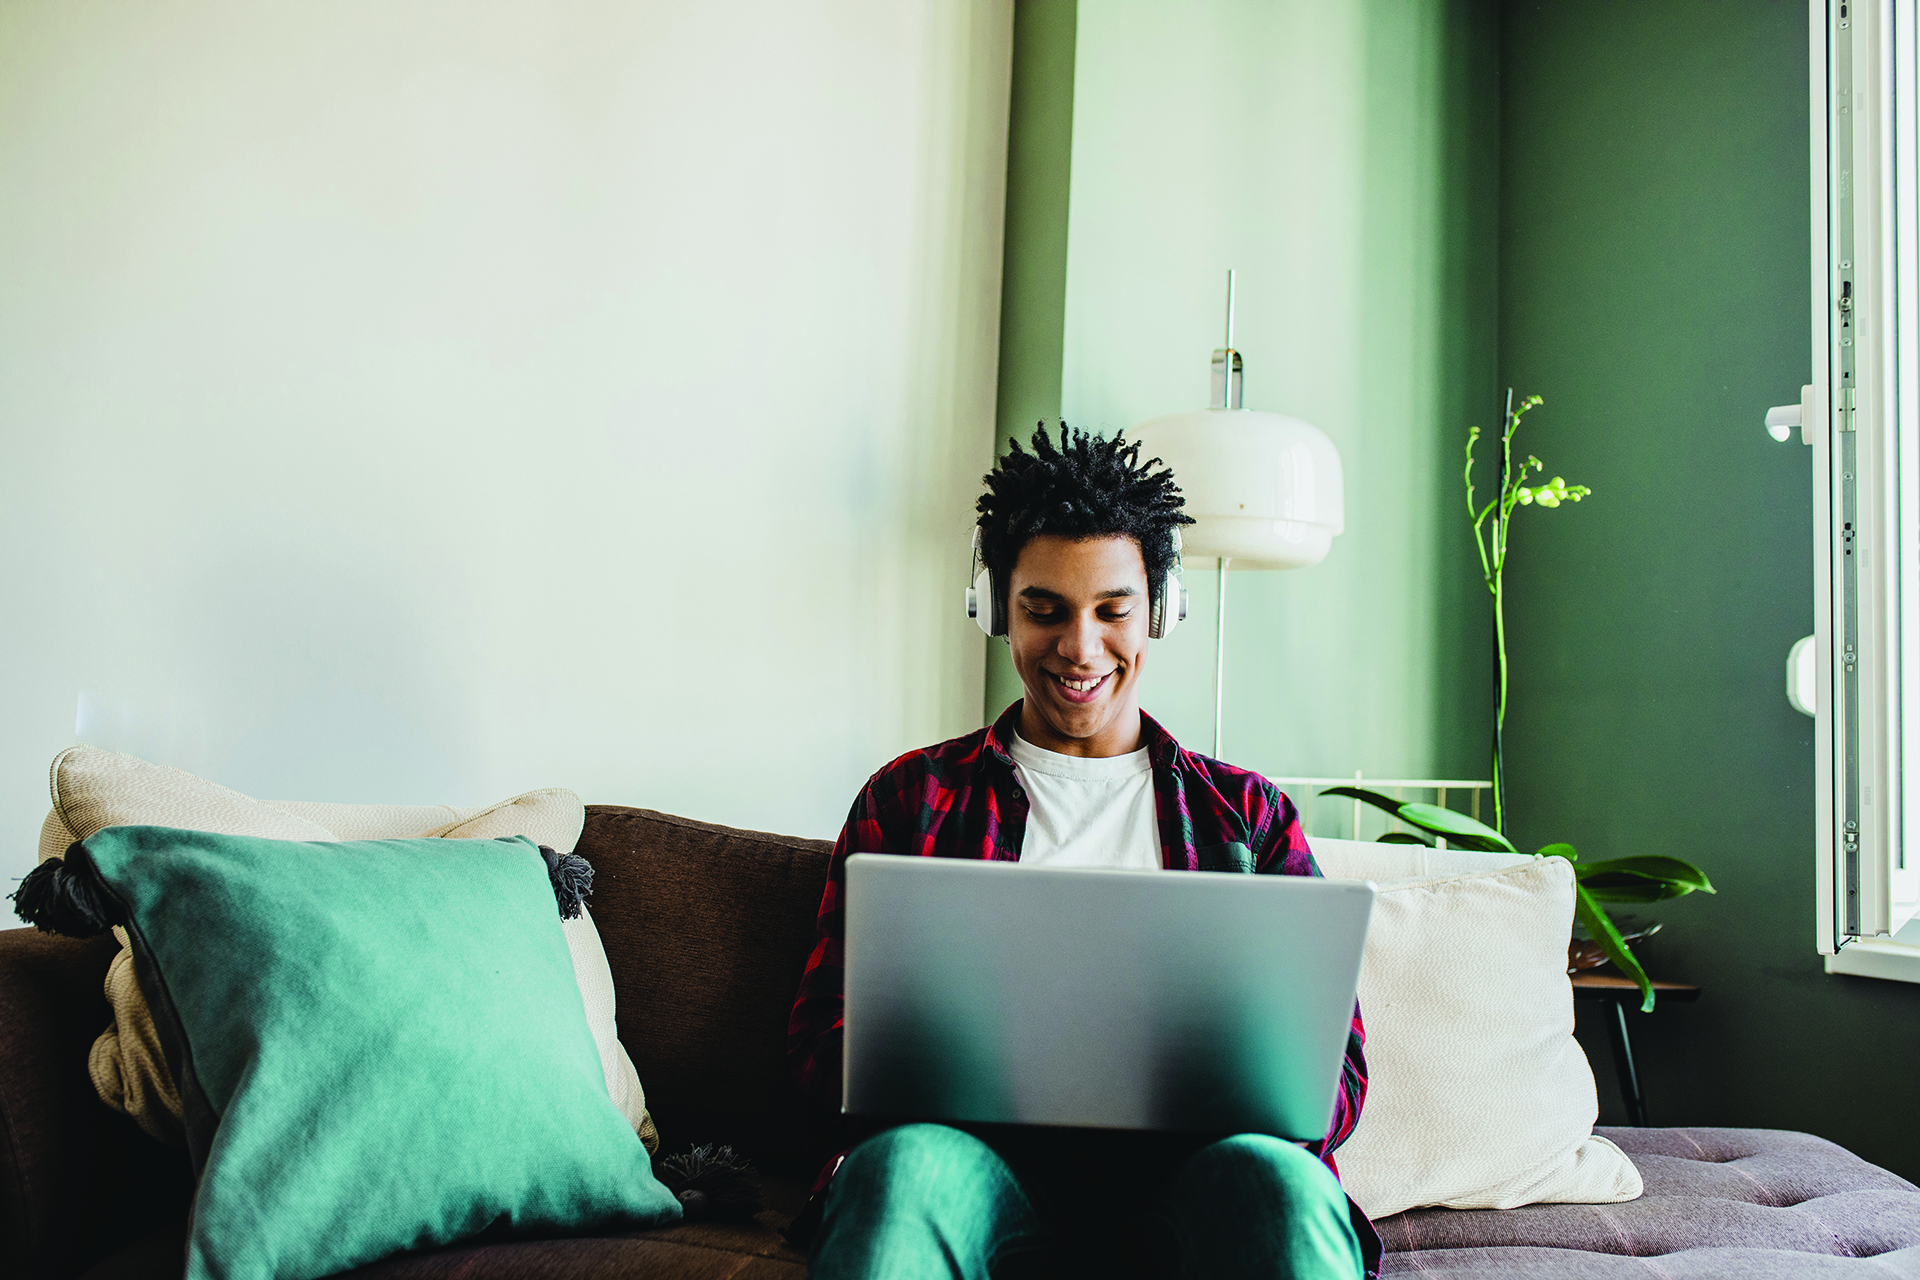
[{"x": 1169, "y": 610}]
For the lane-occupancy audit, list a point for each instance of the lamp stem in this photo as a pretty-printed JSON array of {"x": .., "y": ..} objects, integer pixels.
[
  {"x": 1219, "y": 654},
  {"x": 1229, "y": 306}
]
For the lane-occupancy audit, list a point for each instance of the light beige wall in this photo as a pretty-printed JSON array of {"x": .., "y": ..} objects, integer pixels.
[{"x": 426, "y": 402}]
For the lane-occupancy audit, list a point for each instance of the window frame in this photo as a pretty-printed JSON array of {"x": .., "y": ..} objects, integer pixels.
[{"x": 1866, "y": 452}]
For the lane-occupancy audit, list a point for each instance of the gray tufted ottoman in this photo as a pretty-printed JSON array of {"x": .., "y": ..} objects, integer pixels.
[{"x": 1739, "y": 1204}]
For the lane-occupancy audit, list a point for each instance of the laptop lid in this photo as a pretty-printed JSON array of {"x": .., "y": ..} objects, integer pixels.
[{"x": 1169, "y": 1000}]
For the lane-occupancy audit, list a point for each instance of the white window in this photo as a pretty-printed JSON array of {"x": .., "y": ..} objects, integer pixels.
[{"x": 1862, "y": 416}]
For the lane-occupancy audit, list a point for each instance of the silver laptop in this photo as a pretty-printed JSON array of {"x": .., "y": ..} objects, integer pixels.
[{"x": 1170, "y": 1000}]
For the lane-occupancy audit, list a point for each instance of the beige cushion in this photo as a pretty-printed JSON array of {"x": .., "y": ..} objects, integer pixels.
[
  {"x": 128, "y": 1067},
  {"x": 376, "y": 821},
  {"x": 93, "y": 789},
  {"x": 1478, "y": 1096}
]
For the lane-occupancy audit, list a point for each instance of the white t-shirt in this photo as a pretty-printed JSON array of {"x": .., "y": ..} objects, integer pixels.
[{"x": 1084, "y": 812}]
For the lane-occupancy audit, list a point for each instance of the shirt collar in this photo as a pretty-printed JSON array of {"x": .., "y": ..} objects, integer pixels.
[{"x": 1161, "y": 748}]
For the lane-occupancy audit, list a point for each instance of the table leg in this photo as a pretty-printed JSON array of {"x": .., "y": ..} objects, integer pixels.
[{"x": 1623, "y": 1067}]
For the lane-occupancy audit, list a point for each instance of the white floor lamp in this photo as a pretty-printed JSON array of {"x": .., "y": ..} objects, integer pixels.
[{"x": 1265, "y": 490}]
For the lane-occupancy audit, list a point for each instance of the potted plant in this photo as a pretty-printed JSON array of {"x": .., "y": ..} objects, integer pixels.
[{"x": 1640, "y": 879}]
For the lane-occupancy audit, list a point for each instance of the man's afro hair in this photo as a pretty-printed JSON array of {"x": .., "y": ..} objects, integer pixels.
[{"x": 1088, "y": 486}]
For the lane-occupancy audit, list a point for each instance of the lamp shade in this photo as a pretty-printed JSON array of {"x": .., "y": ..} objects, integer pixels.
[{"x": 1263, "y": 488}]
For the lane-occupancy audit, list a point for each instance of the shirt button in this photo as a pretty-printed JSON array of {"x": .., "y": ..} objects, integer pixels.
[{"x": 1018, "y": 794}]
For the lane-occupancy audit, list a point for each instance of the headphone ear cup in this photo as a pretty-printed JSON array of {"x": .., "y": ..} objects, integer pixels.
[
  {"x": 1169, "y": 611},
  {"x": 984, "y": 605},
  {"x": 989, "y": 611}
]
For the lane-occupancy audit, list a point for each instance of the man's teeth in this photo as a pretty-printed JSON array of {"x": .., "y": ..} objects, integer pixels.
[{"x": 1079, "y": 686}]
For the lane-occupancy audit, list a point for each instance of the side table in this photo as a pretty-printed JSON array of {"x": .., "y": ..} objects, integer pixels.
[{"x": 1611, "y": 988}]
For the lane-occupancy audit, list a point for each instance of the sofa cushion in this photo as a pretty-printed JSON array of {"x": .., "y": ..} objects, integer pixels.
[
  {"x": 690, "y": 1251},
  {"x": 390, "y": 1051},
  {"x": 552, "y": 816},
  {"x": 1478, "y": 1096},
  {"x": 94, "y": 789},
  {"x": 707, "y": 929},
  {"x": 1696, "y": 1180},
  {"x": 1743, "y": 1204},
  {"x": 76, "y": 1180}
]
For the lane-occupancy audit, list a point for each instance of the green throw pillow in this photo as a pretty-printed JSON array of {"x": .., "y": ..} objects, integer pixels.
[{"x": 380, "y": 1045}]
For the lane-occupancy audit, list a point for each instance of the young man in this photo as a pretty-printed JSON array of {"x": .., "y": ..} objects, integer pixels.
[{"x": 1080, "y": 541}]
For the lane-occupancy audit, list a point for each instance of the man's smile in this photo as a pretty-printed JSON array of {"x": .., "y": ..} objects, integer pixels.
[{"x": 1079, "y": 688}]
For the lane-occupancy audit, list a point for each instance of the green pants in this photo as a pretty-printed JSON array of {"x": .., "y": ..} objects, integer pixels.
[{"x": 928, "y": 1202}]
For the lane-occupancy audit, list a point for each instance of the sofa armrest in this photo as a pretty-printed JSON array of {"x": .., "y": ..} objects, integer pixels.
[{"x": 77, "y": 1179}]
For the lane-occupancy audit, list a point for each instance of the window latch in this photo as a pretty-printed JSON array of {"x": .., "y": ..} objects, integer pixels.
[{"x": 1783, "y": 418}]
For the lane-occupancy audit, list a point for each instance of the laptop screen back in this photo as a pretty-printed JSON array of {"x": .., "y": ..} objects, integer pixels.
[{"x": 991, "y": 992}]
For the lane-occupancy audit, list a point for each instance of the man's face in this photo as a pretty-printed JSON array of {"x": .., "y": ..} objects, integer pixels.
[{"x": 1077, "y": 625}]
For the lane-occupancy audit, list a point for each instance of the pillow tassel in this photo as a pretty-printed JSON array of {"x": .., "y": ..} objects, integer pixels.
[
  {"x": 712, "y": 1182},
  {"x": 65, "y": 896},
  {"x": 572, "y": 878}
]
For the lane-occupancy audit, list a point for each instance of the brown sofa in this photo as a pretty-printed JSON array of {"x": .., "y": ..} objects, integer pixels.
[{"x": 706, "y": 929}]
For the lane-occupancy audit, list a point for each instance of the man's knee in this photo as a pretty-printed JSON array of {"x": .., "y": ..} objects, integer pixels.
[
  {"x": 1253, "y": 1205},
  {"x": 918, "y": 1155},
  {"x": 922, "y": 1200},
  {"x": 1268, "y": 1167}
]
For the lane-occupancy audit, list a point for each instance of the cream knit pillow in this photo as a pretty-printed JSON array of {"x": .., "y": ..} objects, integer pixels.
[
  {"x": 1478, "y": 1096},
  {"x": 94, "y": 789}
]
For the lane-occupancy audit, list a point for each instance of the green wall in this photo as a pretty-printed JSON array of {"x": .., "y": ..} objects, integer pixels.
[
  {"x": 1342, "y": 159},
  {"x": 1033, "y": 278},
  {"x": 1654, "y": 289},
  {"x": 1610, "y": 196}
]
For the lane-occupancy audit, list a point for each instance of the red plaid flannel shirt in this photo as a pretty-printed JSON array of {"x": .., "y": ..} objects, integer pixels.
[{"x": 960, "y": 800}]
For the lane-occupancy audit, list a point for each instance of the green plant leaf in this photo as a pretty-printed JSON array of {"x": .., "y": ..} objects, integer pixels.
[
  {"x": 1560, "y": 850},
  {"x": 1601, "y": 929},
  {"x": 1621, "y": 888},
  {"x": 1675, "y": 871},
  {"x": 1458, "y": 828},
  {"x": 1403, "y": 837},
  {"x": 1373, "y": 798}
]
